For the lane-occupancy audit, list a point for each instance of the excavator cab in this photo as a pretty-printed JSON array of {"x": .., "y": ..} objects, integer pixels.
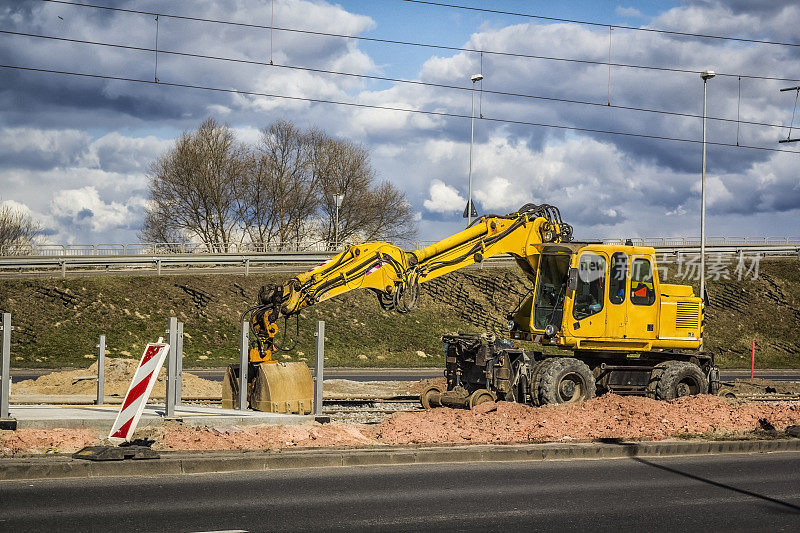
[{"x": 594, "y": 296}]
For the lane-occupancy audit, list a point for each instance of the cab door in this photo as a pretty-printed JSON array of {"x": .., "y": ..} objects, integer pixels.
[
  {"x": 588, "y": 317},
  {"x": 617, "y": 310},
  {"x": 642, "y": 311}
]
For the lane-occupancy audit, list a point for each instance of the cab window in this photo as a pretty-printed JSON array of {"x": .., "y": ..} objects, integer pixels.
[
  {"x": 617, "y": 277},
  {"x": 642, "y": 290},
  {"x": 588, "y": 298},
  {"x": 549, "y": 302}
]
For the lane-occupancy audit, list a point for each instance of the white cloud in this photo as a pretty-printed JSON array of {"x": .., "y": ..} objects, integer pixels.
[
  {"x": 443, "y": 198},
  {"x": 628, "y": 12},
  {"x": 85, "y": 209}
]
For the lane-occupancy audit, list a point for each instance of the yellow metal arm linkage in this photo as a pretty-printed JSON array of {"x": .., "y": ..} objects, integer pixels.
[{"x": 395, "y": 274}]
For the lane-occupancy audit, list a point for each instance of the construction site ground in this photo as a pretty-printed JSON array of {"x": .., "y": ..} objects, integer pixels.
[{"x": 743, "y": 414}]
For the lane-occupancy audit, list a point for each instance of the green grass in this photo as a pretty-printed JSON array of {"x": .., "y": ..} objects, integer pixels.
[{"x": 58, "y": 322}]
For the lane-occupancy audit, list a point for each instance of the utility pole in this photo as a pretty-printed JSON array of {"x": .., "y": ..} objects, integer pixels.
[
  {"x": 706, "y": 75},
  {"x": 475, "y": 78},
  {"x": 788, "y": 138},
  {"x": 338, "y": 199}
]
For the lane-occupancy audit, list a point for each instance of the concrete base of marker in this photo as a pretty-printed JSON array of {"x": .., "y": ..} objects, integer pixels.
[
  {"x": 115, "y": 453},
  {"x": 8, "y": 424}
]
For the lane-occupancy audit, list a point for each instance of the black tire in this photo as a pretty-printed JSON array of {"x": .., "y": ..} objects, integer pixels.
[
  {"x": 536, "y": 377},
  {"x": 680, "y": 379},
  {"x": 566, "y": 380}
]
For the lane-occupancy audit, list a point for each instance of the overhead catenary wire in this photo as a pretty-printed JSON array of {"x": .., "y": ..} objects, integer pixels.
[
  {"x": 390, "y": 108},
  {"x": 386, "y": 78},
  {"x": 417, "y": 44},
  {"x": 603, "y": 24}
]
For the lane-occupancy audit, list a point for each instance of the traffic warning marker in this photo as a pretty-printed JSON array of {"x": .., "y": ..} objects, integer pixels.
[{"x": 136, "y": 398}]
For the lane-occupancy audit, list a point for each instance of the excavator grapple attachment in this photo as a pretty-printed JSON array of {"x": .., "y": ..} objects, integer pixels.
[{"x": 272, "y": 388}]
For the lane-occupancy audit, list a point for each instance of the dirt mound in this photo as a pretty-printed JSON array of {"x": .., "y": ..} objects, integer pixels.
[
  {"x": 46, "y": 440},
  {"x": 118, "y": 375},
  {"x": 273, "y": 437},
  {"x": 608, "y": 416}
]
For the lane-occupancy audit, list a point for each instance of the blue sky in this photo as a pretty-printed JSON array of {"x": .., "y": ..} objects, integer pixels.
[{"x": 75, "y": 152}]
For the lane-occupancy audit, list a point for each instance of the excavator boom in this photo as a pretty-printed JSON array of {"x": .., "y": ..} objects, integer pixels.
[{"x": 395, "y": 275}]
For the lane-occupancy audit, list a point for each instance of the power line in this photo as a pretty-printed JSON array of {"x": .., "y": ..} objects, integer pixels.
[
  {"x": 415, "y": 44},
  {"x": 381, "y": 78},
  {"x": 389, "y": 108},
  {"x": 603, "y": 24}
]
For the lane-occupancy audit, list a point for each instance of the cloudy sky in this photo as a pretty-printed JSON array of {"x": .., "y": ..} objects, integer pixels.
[{"x": 74, "y": 151}]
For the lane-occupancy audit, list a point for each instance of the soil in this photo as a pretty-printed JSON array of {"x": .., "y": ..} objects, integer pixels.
[
  {"x": 609, "y": 416},
  {"x": 118, "y": 375}
]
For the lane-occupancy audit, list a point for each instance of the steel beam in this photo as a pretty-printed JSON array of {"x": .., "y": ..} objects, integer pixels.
[
  {"x": 319, "y": 363},
  {"x": 101, "y": 370}
]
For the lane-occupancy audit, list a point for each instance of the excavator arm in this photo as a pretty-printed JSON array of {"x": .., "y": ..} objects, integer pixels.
[{"x": 395, "y": 275}]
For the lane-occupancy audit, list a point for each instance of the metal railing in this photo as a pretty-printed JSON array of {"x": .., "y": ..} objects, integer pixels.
[
  {"x": 176, "y": 248},
  {"x": 191, "y": 248},
  {"x": 710, "y": 241},
  {"x": 154, "y": 257}
]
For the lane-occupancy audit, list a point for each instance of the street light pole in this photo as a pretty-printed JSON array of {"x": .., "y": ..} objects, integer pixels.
[
  {"x": 706, "y": 75},
  {"x": 475, "y": 78},
  {"x": 337, "y": 198}
]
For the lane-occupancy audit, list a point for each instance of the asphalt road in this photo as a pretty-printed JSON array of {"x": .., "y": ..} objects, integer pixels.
[
  {"x": 705, "y": 493},
  {"x": 370, "y": 374}
]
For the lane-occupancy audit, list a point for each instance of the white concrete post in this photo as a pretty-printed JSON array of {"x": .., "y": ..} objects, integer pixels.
[
  {"x": 169, "y": 401},
  {"x": 179, "y": 365},
  {"x": 319, "y": 363},
  {"x": 5, "y": 367},
  {"x": 101, "y": 370},
  {"x": 244, "y": 362}
]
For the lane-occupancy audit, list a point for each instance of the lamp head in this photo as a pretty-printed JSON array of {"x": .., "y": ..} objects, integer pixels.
[
  {"x": 476, "y": 77},
  {"x": 707, "y": 74}
]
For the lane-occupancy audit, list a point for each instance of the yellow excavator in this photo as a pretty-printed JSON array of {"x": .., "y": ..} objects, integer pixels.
[{"x": 619, "y": 328}]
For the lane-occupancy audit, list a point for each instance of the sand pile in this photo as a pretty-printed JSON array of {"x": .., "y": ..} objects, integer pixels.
[
  {"x": 312, "y": 435},
  {"x": 118, "y": 375},
  {"x": 30, "y": 441},
  {"x": 609, "y": 416}
]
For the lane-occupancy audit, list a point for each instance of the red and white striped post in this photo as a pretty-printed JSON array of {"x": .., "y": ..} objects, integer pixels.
[
  {"x": 753, "y": 359},
  {"x": 142, "y": 384}
]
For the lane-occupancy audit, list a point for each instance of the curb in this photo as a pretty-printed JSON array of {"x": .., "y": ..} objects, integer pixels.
[{"x": 171, "y": 463}]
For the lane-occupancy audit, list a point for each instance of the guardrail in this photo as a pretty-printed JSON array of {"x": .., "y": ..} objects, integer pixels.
[
  {"x": 246, "y": 261},
  {"x": 186, "y": 248},
  {"x": 176, "y": 248},
  {"x": 710, "y": 241},
  {"x": 27, "y": 263}
]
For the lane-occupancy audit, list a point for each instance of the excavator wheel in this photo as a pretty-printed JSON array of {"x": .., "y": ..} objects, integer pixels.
[
  {"x": 272, "y": 388},
  {"x": 566, "y": 380},
  {"x": 536, "y": 378},
  {"x": 480, "y": 396},
  {"x": 680, "y": 379},
  {"x": 431, "y": 397}
]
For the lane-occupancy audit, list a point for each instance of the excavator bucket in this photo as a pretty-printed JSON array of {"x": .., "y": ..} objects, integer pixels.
[{"x": 274, "y": 388}]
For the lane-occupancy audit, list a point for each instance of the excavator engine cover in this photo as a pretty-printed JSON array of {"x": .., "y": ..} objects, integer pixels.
[{"x": 273, "y": 388}]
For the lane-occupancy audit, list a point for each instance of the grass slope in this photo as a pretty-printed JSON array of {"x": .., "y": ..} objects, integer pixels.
[{"x": 57, "y": 322}]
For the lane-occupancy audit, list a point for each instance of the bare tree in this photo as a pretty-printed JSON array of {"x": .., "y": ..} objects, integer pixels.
[
  {"x": 369, "y": 210},
  {"x": 17, "y": 231},
  {"x": 212, "y": 188},
  {"x": 278, "y": 194},
  {"x": 193, "y": 189}
]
